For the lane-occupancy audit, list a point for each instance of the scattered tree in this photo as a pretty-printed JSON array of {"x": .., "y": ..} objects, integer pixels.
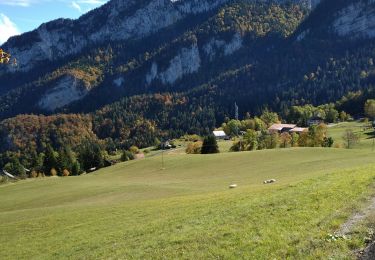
[
  {"x": 269, "y": 118},
  {"x": 251, "y": 140},
  {"x": 15, "y": 168},
  {"x": 294, "y": 140},
  {"x": 50, "y": 160},
  {"x": 285, "y": 140},
  {"x": 351, "y": 139},
  {"x": 76, "y": 168},
  {"x": 90, "y": 155},
  {"x": 4, "y": 57},
  {"x": 209, "y": 145},
  {"x": 370, "y": 108}
]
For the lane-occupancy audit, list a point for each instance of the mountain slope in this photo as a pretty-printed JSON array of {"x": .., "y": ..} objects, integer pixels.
[
  {"x": 194, "y": 47},
  {"x": 253, "y": 53}
]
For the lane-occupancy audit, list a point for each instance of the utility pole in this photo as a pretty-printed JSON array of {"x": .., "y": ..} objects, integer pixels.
[
  {"x": 162, "y": 155},
  {"x": 235, "y": 110},
  {"x": 236, "y": 117}
]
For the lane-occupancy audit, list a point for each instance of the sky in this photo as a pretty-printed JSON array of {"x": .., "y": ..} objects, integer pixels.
[{"x": 19, "y": 16}]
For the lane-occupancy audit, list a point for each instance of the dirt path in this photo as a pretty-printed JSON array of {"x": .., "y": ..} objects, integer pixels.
[
  {"x": 369, "y": 252},
  {"x": 356, "y": 218}
]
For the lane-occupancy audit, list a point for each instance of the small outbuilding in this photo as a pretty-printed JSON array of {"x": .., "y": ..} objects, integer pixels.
[{"x": 220, "y": 134}]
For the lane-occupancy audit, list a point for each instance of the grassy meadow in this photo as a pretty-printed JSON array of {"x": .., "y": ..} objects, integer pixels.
[
  {"x": 137, "y": 210},
  {"x": 364, "y": 131}
]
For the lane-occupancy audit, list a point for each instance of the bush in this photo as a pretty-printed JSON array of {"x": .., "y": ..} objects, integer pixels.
[
  {"x": 53, "y": 172},
  {"x": 337, "y": 145},
  {"x": 238, "y": 146},
  {"x": 66, "y": 173},
  {"x": 33, "y": 174},
  {"x": 146, "y": 151},
  {"x": 3, "y": 179},
  {"x": 194, "y": 148},
  {"x": 127, "y": 156},
  {"x": 134, "y": 149},
  {"x": 327, "y": 142}
]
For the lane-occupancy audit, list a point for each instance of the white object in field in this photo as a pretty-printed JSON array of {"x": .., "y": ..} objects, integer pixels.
[
  {"x": 26, "y": 170},
  {"x": 269, "y": 181},
  {"x": 92, "y": 169},
  {"x": 8, "y": 174},
  {"x": 232, "y": 186}
]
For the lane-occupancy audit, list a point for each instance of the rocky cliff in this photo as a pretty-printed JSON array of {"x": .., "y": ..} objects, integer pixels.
[{"x": 117, "y": 20}]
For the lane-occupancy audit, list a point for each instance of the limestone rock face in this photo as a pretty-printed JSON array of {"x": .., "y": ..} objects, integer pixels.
[
  {"x": 356, "y": 20},
  {"x": 116, "y": 20},
  {"x": 67, "y": 90},
  {"x": 187, "y": 61}
]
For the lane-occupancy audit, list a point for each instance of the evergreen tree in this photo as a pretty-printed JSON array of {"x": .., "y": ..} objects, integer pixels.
[
  {"x": 209, "y": 145},
  {"x": 15, "y": 168},
  {"x": 50, "y": 160},
  {"x": 90, "y": 155},
  {"x": 66, "y": 159},
  {"x": 76, "y": 169}
]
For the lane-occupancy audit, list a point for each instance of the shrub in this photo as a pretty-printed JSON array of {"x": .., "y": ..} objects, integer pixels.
[
  {"x": 3, "y": 179},
  {"x": 53, "y": 172},
  {"x": 337, "y": 145},
  {"x": 146, "y": 151},
  {"x": 33, "y": 174},
  {"x": 127, "y": 156},
  {"x": 327, "y": 142},
  {"x": 66, "y": 173},
  {"x": 238, "y": 146},
  {"x": 194, "y": 148},
  {"x": 134, "y": 149}
]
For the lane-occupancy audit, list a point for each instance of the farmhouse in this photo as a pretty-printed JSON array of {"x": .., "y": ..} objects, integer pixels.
[
  {"x": 282, "y": 128},
  {"x": 219, "y": 134},
  {"x": 299, "y": 130}
]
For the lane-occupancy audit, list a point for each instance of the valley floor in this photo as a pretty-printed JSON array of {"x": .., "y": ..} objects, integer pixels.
[{"x": 138, "y": 210}]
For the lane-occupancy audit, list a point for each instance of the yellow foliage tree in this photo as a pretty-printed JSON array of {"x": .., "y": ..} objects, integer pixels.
[{"x": 4, "y": 57}]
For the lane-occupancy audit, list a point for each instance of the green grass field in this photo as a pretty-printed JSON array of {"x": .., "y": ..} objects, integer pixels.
[
  {"x": 361, "y": 129},
  {"x": 136, "y": 210}
]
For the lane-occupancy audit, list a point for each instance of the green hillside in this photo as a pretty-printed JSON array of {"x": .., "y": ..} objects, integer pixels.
[{"x": 138, "y": 210}]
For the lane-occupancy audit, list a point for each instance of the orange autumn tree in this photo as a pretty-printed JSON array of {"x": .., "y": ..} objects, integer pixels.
[{"x": 4, "y": 57}]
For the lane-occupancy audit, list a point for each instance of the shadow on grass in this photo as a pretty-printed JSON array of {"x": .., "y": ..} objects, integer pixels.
[{"x": 370, "y": 134}]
